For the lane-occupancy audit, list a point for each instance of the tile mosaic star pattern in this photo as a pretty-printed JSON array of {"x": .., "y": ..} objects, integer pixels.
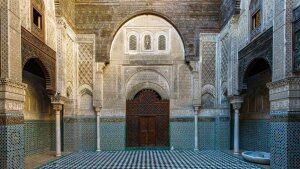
[{"x": 150, "y": 159}]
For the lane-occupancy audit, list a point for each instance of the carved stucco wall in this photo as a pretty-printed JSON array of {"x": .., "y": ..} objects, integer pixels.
[
  {"x": 50, "y": 20},
  {"x": 244, "y": 20},
  {"x": 166, "y": 73},
  {"x": 223, "y": 57},
  {"x": 105, "y": 19},
  {"x": 75, "y": 55},
  {"x": 208, "y": 47},
  {"x": 283, "y": 40}
]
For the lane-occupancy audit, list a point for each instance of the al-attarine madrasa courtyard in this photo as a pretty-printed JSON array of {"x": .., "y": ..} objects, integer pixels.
[{"x": 150, "y": 84}]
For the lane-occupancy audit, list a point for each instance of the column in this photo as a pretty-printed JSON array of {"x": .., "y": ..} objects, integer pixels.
[
  {"x": 98, "y": 110},
  {"x": 236, "y": 102},
  {"x": 196, "y": 111},
  {"x": 57, "y": 106},
  {"x": 58, "y": 133}
]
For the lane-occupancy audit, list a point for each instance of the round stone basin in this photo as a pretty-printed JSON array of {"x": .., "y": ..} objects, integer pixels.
[{"x": 257, "y": 157}]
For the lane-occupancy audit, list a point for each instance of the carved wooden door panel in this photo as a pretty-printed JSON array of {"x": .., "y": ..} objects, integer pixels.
[
  {"x": 147, "y": 132},
  {"x": 147, "y": 120}
]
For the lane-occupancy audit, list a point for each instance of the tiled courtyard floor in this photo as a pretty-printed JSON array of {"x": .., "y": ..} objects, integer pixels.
[
  {"x": 153, "y": 159},
  {"x": 39, "y": 159}
]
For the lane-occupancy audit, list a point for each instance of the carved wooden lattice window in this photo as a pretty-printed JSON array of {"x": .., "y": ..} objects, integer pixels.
[
  {"x": 256, "y": 16},
  {"x": 147, "y": 42},
  {"x": 296, "y": 39},
  {"x": 162, "y": 42},
  {"x": 132, "y": 42}
]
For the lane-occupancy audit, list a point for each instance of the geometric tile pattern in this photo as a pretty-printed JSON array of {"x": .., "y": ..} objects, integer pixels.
[
  {"x": 285, "y": 144},
  {"x": 88, "y": 140},
  {"x": 211, "y": 135},
  {"x": 71, "y": 136},
  {"x": 80, "y": 136},
  {"x": 182, "y": 135},
  {"x": 38, "y": 136},
  {"x": 112, "y": 135},
  {"x": 206, "y": 135},
  {"x": 255, "y": 135},
  {"x": 222, "y": 135},
  {"x": 12, "y": 146},
  {"x": 150, "y": 159}
]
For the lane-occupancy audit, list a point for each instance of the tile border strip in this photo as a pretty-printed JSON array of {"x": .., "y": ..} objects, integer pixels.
[
  {"x": 288, "y": 117},
  {"x": 172, "y": 119},
  {"x": 11, "y": 119}
]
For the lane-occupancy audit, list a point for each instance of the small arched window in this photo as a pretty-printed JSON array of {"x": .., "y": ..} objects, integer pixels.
[
  {"x": 147, "y": 42},
  {"x": 132, "y": 42},
  {"x": 161, "y": 42},
  {"x": 256, "y": 15}
]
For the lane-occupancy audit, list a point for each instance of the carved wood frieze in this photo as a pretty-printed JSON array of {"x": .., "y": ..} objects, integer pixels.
[{"x": 34, "y": 48}]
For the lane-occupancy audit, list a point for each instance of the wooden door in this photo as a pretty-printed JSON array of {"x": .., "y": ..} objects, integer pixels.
[
  {"x": 147, "y": 120},
  {"x": 147, "y": 131}
]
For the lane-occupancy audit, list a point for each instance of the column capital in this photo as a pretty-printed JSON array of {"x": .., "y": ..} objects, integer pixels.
[
  {"x": 57, "y": 107},
  {"x": 57, "y": 102},
  {"x": 236, "y": 102},
  {"x": 197, "y": 107},
  {"x": 98, "y": 110},
  {"x": 100, "y": 67},
  {"x": 194, "y": 67}
]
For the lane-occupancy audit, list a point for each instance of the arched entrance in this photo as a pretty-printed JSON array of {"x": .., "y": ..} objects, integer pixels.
[
  {"x": 255, "y": 111},
  {"x": 147, "y": 120},
  {"x": 38, "y": 112}
]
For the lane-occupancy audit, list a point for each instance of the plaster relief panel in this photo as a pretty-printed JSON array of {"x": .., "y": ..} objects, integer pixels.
[
  {"x": 151, "y": 42},
  {"x": 86, "y": 105},
  {"x": 85, "y": 63},
  {"x": 185, "y": 87},
  {"x": 146, "y": 77}
]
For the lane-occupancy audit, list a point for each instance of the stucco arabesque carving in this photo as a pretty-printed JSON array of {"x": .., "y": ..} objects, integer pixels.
[
  {"x": 15, "y": 100},
  {"x": 284, "y": 94}
]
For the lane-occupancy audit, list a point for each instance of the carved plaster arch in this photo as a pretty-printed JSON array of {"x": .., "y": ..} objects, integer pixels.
[
  {"x": 137, "y": 14},
  {"x": 224, "y": 88},
  {"x": 153, "y": 80},
  {"x": 85, "y": 89},
  {"x": 208, "y": 89},
  {"x": 142, "y": 69},
  {"x": 160, "y": 90}
]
